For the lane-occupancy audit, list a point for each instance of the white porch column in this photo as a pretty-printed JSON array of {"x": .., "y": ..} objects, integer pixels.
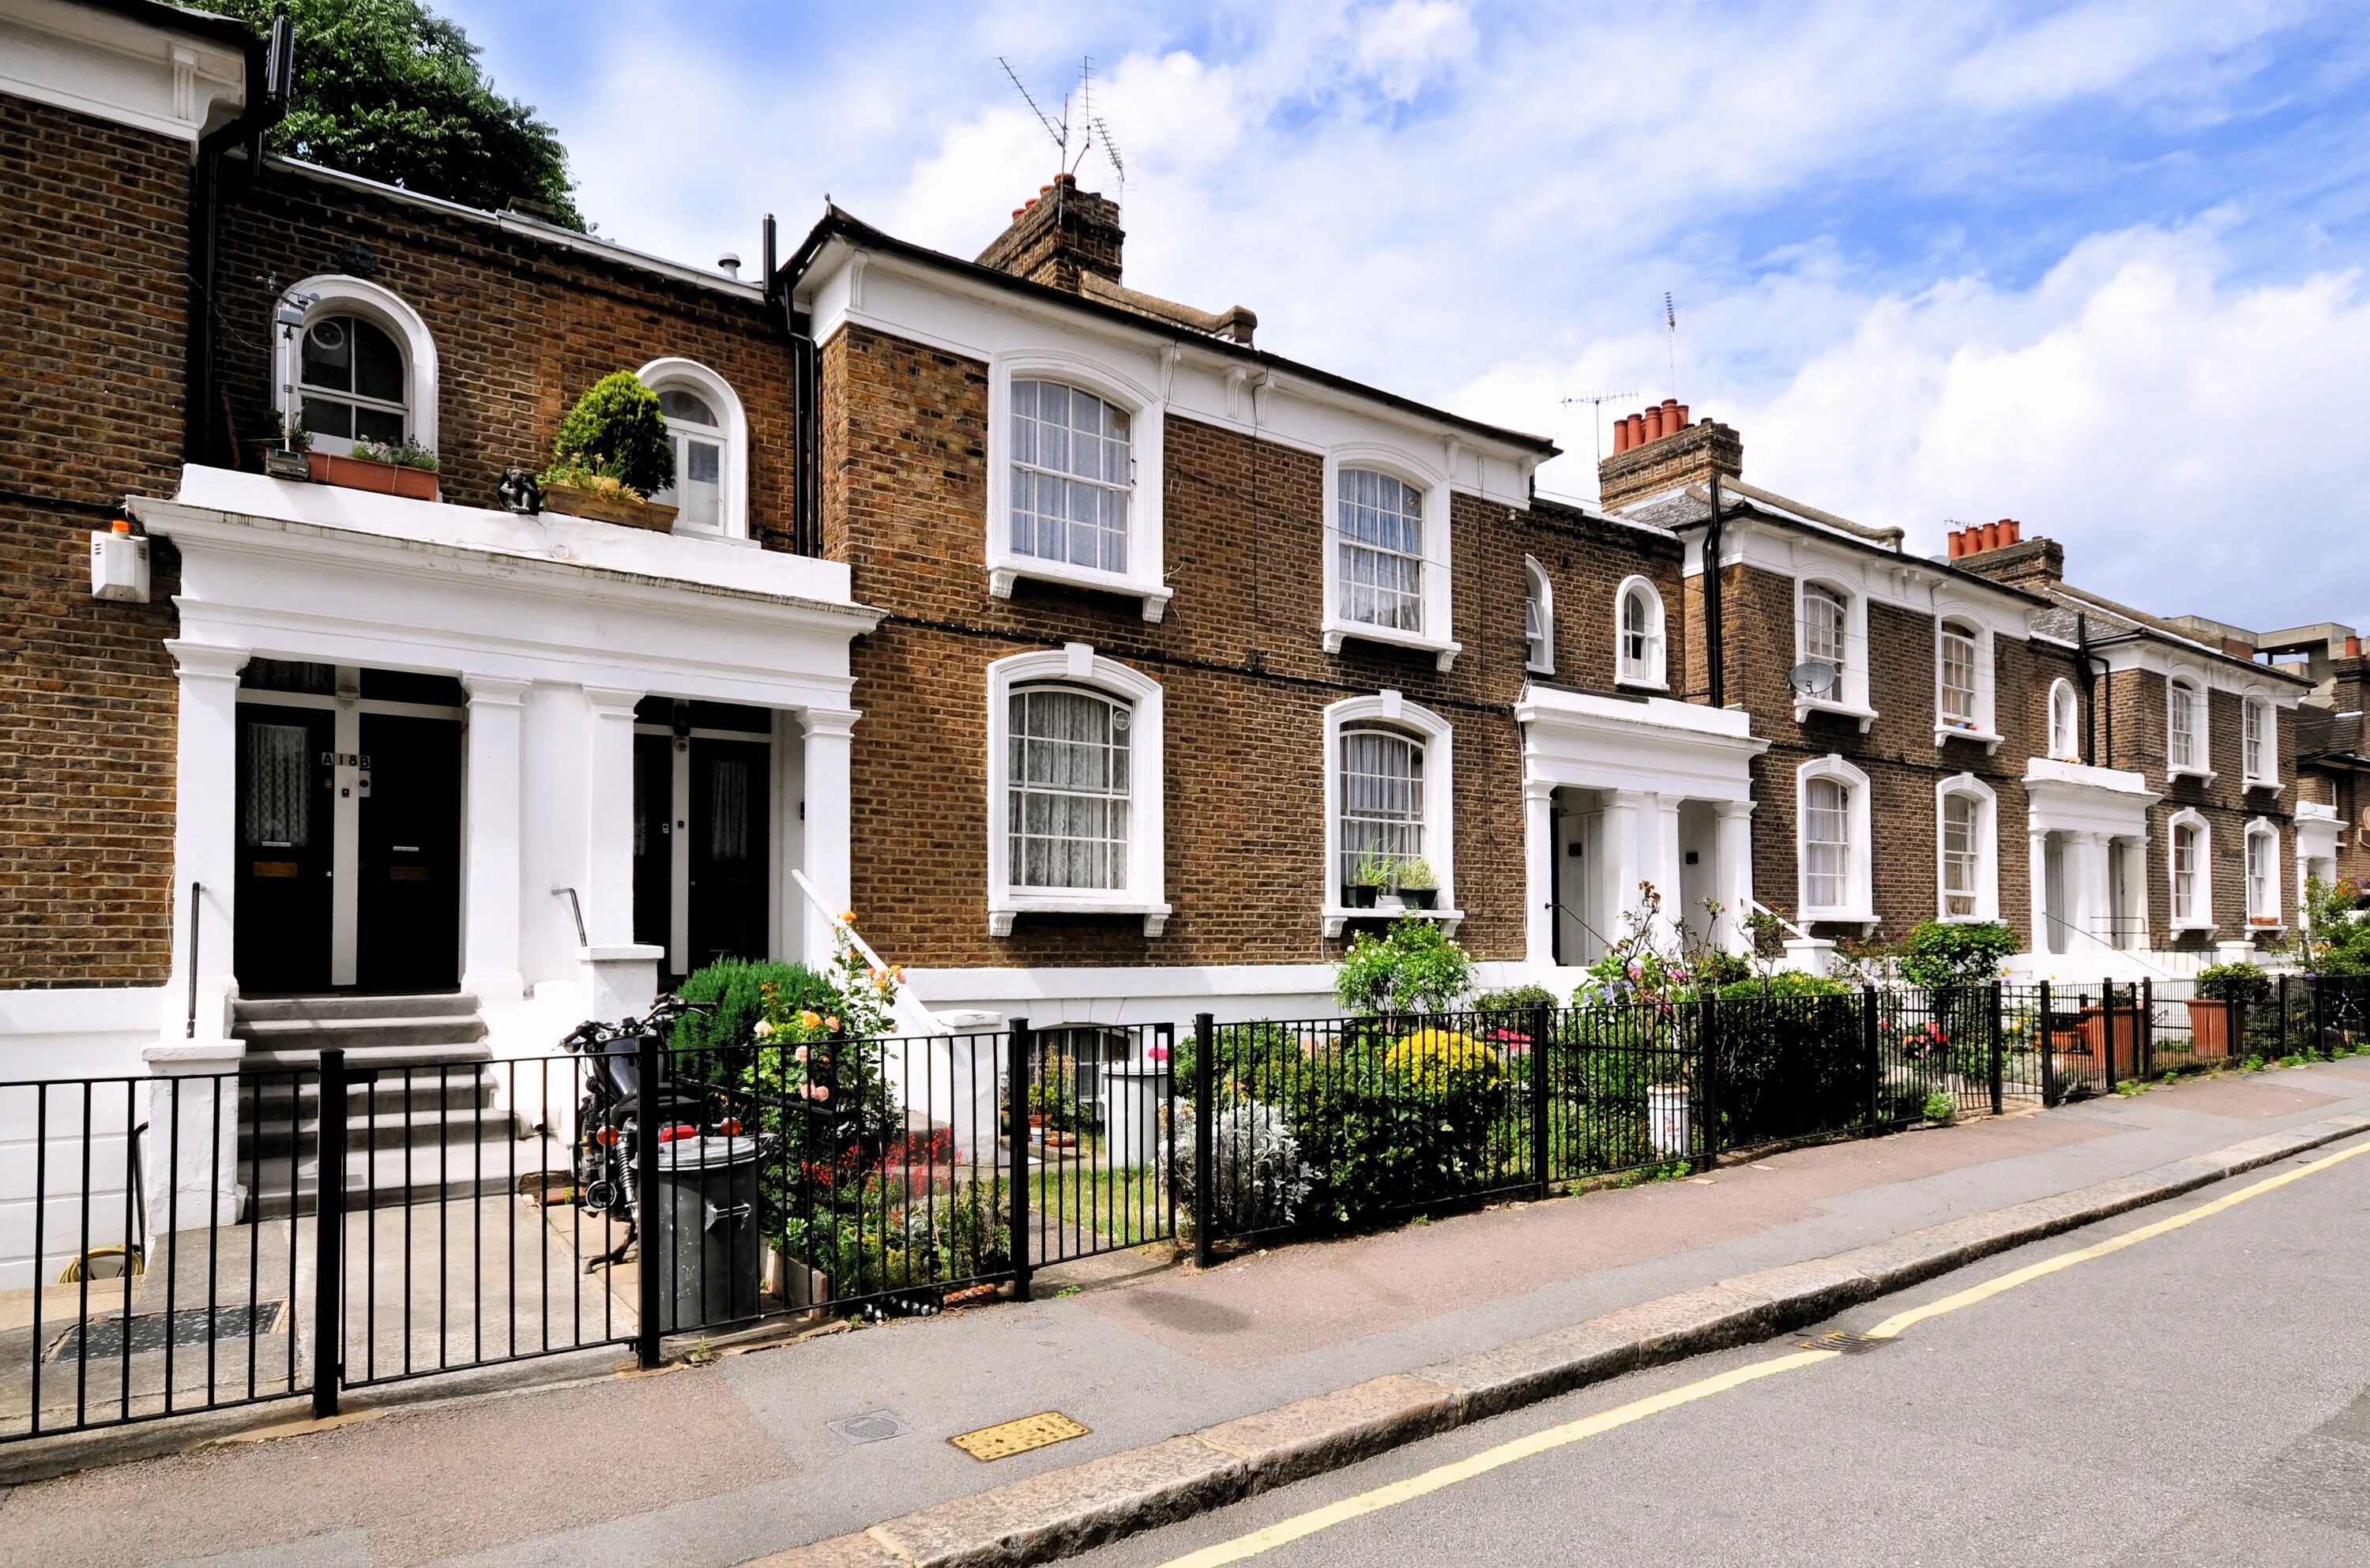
[
  {"x": 1538, "y": 871},
  {"x": 830, "y": 741},
  {"x": 1735, "y": 884},
  {"x": 2086, "y": 890},
  {"x": 2042, "y": 938},
  {"x": 1626, "y": 814},
  {"x": 624, "y": 974},
  {"x": 1664, "y": 858},
  {"x": 490, "y": 915},
  {"x": 193, "y": 1126}
]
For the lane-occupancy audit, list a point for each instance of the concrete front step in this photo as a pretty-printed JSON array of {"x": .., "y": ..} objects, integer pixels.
[
  {"x": 278, "y": 1010},
  {"x": 455, "y": 1128},
  {"x": 420, "y": 1179},
  {"x": 459, "y": 1087},
  {"x": 275, "y": 1039}
]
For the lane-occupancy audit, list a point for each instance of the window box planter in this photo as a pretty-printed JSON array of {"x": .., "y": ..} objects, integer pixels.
[
  {"x": 2211, "y": 1025},
  {"x": 608, "y": 506},
  {"x": 1419, "y": 897},
  {"x": 1356, "y": 895},
  {"x": 362, "y": 474}
]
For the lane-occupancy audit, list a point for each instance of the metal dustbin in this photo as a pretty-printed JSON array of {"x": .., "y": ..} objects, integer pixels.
[{"x": 706, "y": 1242}]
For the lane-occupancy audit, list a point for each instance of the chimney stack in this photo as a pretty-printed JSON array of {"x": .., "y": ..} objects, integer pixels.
[
  {"x": 2000, "y": 550},
  {"x": 1659, "y": 448},
  {"x": 1058, "y": 236}
]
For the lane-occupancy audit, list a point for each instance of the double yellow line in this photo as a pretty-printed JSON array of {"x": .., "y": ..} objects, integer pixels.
[{"x": 1447, "y": 1475}]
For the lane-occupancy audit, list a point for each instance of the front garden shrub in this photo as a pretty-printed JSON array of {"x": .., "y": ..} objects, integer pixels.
[
  {"x": 1956, "y": 952},
  {"x": 2241, "y": 981},
  {"x": 1791, "y": 1062},
  {"x": 617, "y": 432},
  {"x": 731, "y": 989},
  {"x": 1258, "y": 1178},
  {"x": 1413, "y": 967},
  {"x": 1518, "y": 999}
]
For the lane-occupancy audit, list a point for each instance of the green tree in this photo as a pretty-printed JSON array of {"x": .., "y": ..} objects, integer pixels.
[{"x": 389, "y": 91}]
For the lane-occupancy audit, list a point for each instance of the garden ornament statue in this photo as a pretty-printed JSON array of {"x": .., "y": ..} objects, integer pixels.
[{"x": 521, "y": 492}]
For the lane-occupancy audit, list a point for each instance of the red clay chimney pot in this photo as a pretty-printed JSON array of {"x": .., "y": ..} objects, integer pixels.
[
  {"x": 1621, "y": 436},
  {"x": 2353, "y": 648},
  {"x": 1654, "y": 418},
  {"x": 1991, "y": 536},
  {"x": 1681, "y": 412}
]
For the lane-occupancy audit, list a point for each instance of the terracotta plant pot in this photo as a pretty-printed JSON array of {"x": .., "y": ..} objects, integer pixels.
[
  {"x": 2120, "y": 1029},
  {"x": 607, "y": 506},
  {"x": 2209, "y": 1026},
  {"x": 362, "y": 474}
]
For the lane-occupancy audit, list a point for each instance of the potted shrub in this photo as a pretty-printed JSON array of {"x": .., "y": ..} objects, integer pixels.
[
  {"x": 1418, "y": 885},
  {"x": 403, "y": 468},
  {"x": 2217, "y": 1014},
  {"x": 1365, "y": 883},
  {"x": 612, "y": 454}
]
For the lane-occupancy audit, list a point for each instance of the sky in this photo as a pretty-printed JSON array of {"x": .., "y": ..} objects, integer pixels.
[{"x": 2096, "y": 266}]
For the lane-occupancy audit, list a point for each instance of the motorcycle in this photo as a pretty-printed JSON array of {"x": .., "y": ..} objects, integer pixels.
[{"x": 608, "y": 1115}]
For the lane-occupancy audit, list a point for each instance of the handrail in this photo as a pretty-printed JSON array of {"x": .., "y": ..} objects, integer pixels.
[
  {"x": 197, "y": 912},
  {"x": 577, "y": 905},
  {"x": 1760, "y": 908},
  {"x": 901, "y": 1001},
  {"x": 2064, "y": 924}
]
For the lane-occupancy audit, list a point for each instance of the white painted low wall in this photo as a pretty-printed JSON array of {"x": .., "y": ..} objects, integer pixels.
[{"x": 60, "y": 1035}]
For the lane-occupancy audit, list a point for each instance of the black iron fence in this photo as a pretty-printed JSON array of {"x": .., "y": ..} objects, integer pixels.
[{"x": 206, "y": 1241}]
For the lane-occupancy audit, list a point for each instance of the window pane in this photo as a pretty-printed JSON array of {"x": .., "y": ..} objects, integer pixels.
[
  {"x": 1069, "y": 477},
  {"x": 1381, "y": 565},
  {"x": 279, "y": 797},
  {"x": 323, "y": 417},
  {"x": 378, "y": 363},
  {"x": 378, "y": 425},
  {"x": 677, "y": 403},
  {"x": 327, "y": 355},
  {"x": 1382, "y": 798},
  {"x": 1067, "y": 786},
  {"x": 1823, "y": 626},
  {"x": 727, "y": 809},
  {"x": 1826, "y": 842}
]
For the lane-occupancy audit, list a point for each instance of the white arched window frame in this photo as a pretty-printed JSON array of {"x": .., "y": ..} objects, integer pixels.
[
  {"x": 1389, "y": 710},
  {"x": 1963, "y": 699},
  {"x": 1639, "y": 644},
  {"x": 1076, "y": 664},
  {"x": 1538, "y": 619},
  {"x": 1831, "y": 626},
  {"x": 1433, "y": 634},
  {"x": 2262, "y": 869},
  {"x": 1144, "y": 578},
  {"x": 2259, "y": 742},
  {"x": 332, "y": 293},
  {"x": 2188, "y": 746},
  {"x": 2064, "y": 721},
  {"x": 1967, "y": 837},
  {"x": 1832, "y": 842},
  {"x": 2189, "y": 871},
  {"x": 731, "y": 433}
]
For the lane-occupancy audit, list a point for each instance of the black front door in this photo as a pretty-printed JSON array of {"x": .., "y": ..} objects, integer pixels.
[
  {"x": 654, "y": 812},
  {"x": 286, "y": 838},
  {"x": 407, "y": 912},
  {"x": 728, "y": 806}
]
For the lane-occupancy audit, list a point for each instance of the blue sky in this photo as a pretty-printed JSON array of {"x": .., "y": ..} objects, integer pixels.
[{"x": 2096, "y": 266}]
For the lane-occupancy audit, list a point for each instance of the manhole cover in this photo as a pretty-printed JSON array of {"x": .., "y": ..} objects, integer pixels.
[
  {"x": 871, "y": 1427},
  {"x": 1007, "y": 1439},
  {"x": 105, "y": 1338},
  {"x": 1844, "y": 1343}
]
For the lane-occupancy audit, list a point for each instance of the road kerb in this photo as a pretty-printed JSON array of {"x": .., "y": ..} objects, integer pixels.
[{"x": 1062, "y": 1512}]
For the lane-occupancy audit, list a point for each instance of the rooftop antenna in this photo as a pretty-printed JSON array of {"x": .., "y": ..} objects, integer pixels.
[
  {"x": 1671, "y": 329},
  {"x": 1596, "y": 401},
  {"x": 1059, "y": 132}
]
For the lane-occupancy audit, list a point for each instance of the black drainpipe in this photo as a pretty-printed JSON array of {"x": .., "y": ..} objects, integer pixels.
[
  {"x": 1715, "y": 655},
  {"x": 806, "y": 411},
  {"x": 267, "y": 74}
]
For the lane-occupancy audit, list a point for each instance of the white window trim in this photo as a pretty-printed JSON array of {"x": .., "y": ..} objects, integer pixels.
[
  {"x": 1861, "y": 907},
  {"x": 1986, "y": 849},
  {"x": 2200, "y": 693},
  {"x": 1146, "y": 579},
  {"x": 2260, "y": 829},
  {"x": 1439, "y": 803},
  {"x": 2201, "y": 917},
  {"x": 1438, "y": 637},
  {"x": 1655, "y": 677},
  {"x": 1851, "y": 699},
  {"x": 732, "y": 504},
  {"x": 1077, "y": 664},
  {"x": 1986, "y": 721},
  {"x": 2072, "y": 749},
  {"x": 337, "y": 294},
  {"x": 2269, "y": 718},
  {"x": 1541, "y": 661}
]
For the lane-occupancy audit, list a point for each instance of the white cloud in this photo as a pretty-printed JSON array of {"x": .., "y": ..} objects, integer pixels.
[{"x": 1403, "y": 47}]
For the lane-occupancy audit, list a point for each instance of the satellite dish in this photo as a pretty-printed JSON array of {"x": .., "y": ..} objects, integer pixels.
[{"x": 1812, "y": 677}]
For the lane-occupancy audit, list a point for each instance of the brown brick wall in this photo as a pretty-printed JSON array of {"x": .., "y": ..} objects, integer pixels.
[
  {"x": 1244, "y": 674},
  {"x": 93, "y": 312}
]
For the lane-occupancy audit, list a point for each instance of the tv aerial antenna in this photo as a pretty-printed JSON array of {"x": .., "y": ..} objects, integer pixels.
[
  {"x": 1670, "y": 338},
  {"x": 1091, "y": 129},
  {"x": 1596, "y": 401}
]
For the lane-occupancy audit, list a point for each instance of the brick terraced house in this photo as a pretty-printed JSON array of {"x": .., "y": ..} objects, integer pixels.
[{"x": 1090, "y": 651}]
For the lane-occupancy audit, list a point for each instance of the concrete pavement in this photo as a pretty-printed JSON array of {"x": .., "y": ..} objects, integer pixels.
[{"x": 734, "y": 1460}]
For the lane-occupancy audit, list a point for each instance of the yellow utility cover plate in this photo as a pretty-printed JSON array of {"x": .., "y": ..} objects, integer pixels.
[{"x": 1007, "y": 1439}]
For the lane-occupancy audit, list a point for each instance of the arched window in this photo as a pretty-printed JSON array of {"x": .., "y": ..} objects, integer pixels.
[
  {"x": 1833, "y": 841},
  {"x": 2065, "y": 723},
  {"x": 1074, "y": 789},
  {"x": 1638, "y": 658},
  {"x": 2184, "y": 727},
  {"x": 1071, "y": 475},
  {"x": 2260, "y": 741},
  {"x": 710, "y": 436},
  {"x": 1382, "y": 799},
  {"x": 1826, "y": 624},
  {"x": 1967, "y": 846},
  {"x": 1380, "y": 519},
  {"x": 354, "y": 363},
  {"x": 2191, "y": 869},
  {"x": 1538, "y": 619},
  {"x": 2262, "y": 873},
  {"x": 1961, "y": 677},
  {"x": 1830, "y": 630},
  {"x": 1387, "y": 801}
]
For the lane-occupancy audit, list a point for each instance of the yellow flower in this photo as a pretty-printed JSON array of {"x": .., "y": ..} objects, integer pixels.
[
  {"x": 811, "y": 1018},
  {"x": 847, "y": 917}
]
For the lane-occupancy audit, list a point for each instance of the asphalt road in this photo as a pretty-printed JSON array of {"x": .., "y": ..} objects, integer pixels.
[{"x": 2201, "y": 1396}]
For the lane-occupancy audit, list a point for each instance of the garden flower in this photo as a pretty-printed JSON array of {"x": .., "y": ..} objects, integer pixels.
[
  {"x": 799, "y": 1054},
  {"x": 811, "y": 1018},
  {"x": 847, "y": 917},
  {"x": 832, "y": 1024},
  {"x": 764, "y": 1026}
]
